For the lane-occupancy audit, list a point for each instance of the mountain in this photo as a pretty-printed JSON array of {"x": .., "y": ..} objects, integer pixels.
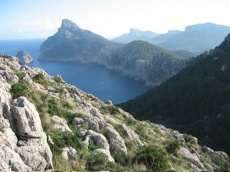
[
  {"x": 144, "y": 61},
  {"x": 71, "y": 43},
  {"x": 195, "y": 101},
  {"x": 49, "y": 125},
  {"x": 196, "y": 38},
  {"x": 135, "y": 34}
]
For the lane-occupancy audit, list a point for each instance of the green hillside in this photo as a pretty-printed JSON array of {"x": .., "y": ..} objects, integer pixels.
[
  {"x": 195, "y": 101},
  {"x": 144, "y": 61}
]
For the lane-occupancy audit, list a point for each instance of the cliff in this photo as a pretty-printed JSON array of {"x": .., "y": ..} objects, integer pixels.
[
  {"x": 47, "y": 124},
  {"x": 71, "y": 43}
]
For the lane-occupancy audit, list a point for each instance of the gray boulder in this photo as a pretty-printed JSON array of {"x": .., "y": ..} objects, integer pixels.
[
  {"x": 116, "y": 142},
  {"x": 60, "y": 124},
  {"x": 104, "y": 152},
  {"x": 24, "y": 57},
  {"x": 68, "y": 153}
]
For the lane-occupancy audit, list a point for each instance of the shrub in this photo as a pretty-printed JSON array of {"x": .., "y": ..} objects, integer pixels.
[
  {"x": 189, "y": 139},
  {"x": 19, "y": 89},
  {"x": 57, "y": 79},
  {"x": 154, "y": 158},
  {"x": 109, "y": 109},
  {"x": 39, "y": 78},
  {"x": 173, "y": 147},
  {"x": 92, "y": 146},
  {"x": 97, "y": 162}
]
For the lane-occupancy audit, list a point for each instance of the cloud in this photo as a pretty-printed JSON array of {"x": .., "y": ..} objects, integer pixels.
[{"x": 20, "y": 30}]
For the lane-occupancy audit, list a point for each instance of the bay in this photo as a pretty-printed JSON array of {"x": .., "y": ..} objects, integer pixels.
[{"x": 91, "y": 78}]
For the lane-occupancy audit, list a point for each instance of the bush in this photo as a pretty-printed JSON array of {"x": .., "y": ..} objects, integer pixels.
[
  {"x": 92, "y": 146},
  {"x": 97, "y": 162},
  {"x": 173, "y": 147},
  {"x": 39, "y": 78},
  {"x": 19, "y": 89},
  {"x": 154, "y": 158}
]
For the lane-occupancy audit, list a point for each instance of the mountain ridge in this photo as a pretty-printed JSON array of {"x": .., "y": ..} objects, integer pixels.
[{"x": 195, "y": 100}]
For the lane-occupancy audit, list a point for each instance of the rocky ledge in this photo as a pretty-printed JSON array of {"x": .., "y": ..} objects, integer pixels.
[{"x": 47, "y": 124}]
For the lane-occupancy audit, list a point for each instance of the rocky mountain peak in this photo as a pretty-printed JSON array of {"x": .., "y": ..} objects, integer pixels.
[{"x": 68, "y": 24}]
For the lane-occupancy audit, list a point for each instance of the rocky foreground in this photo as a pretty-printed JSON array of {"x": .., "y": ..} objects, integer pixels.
[{"x": 47, "y": 124}]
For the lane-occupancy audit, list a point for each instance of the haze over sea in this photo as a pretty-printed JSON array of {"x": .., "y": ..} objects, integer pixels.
[{"x": 91, "y": 78}]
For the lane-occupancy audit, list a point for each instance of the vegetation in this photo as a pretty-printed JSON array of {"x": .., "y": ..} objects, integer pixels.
[
  {"x": 154, "y": 158},
  {"x": 192, "y": 100},
  {"x": 21, "y": 88},
  {"x": 39, "y": 78},
  {"x": 173, "y": 147}
]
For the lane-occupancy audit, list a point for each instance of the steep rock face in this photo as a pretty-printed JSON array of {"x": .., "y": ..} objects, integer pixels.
[
  {"x": 84, "y": 133},
  {"x": 24, "y": 57},
  {"x": 23, "y": 142},
  {"x": 71, "y": 43}
]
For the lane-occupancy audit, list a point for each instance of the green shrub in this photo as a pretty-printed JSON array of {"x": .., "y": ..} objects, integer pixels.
[
  {"x": 19, "y": 89},
  {"x": 57, "y": 79},
  {"x": 20, "y": 75},
  {"x": 92, "y": 146},
  {"x": 39, "y": 78},
  {"x": 154, "y": 158},
  {"x": 110, "y": 110},
  {"x": 173, "y": 147},
  {"x": 189, "y": 139},
  {"x": 97, "y": 162}
]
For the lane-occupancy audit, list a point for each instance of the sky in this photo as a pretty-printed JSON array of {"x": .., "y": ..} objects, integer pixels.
[{"x": 27, "y": 19}]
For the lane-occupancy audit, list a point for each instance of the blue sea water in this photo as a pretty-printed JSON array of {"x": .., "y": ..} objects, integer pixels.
[{"x": 91, "y": 78}]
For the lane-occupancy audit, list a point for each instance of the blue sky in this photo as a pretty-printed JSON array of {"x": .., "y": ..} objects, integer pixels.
[{"x": 41, "y": 18}]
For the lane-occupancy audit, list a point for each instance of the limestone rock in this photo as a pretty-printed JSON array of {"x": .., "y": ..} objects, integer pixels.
[
  {"x": 10, "y": 160},
  {"x": 117, "y": 144},
  {"x": 68, "y": 153},
  {"x": 193, "y": 159},
  {"x": 25, "y": 118},
  {"x": 60, "y": 124},
  {"x": 32, "y": 158},
  {"x": 104, "y": 152},
  {"x": 77, "y": 121},
  {"x": 24, "y": 57},
  {"x": 98, "y": 139},
  {"x": 131, "y": 135}
]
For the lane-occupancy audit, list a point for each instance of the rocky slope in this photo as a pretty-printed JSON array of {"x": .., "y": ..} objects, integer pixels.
[
  {"x": 71, "y": 43},
  {"x": 47, "y": 124}
]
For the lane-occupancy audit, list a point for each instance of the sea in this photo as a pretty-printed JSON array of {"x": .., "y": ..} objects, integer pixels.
[{"x": 91, "y": 78}]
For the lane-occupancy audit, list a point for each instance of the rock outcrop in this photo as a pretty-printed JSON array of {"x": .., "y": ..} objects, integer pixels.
[
  {"x": 23, "y": 142},
  {"x": 24, "y": 57}
]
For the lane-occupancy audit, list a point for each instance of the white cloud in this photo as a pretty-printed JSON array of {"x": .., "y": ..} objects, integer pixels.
[{"x": 20, "y": 30}]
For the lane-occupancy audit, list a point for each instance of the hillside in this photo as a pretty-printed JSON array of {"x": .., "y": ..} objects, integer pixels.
[
  {"x": 196, "y": 38},
  {"x": 71, "y": 43},
  {"x": 47, "y": 124},
  {"x": 195, "y": 101},
  {"x": 144, "y": 61},
  {"x": 135, "y": 34}
]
